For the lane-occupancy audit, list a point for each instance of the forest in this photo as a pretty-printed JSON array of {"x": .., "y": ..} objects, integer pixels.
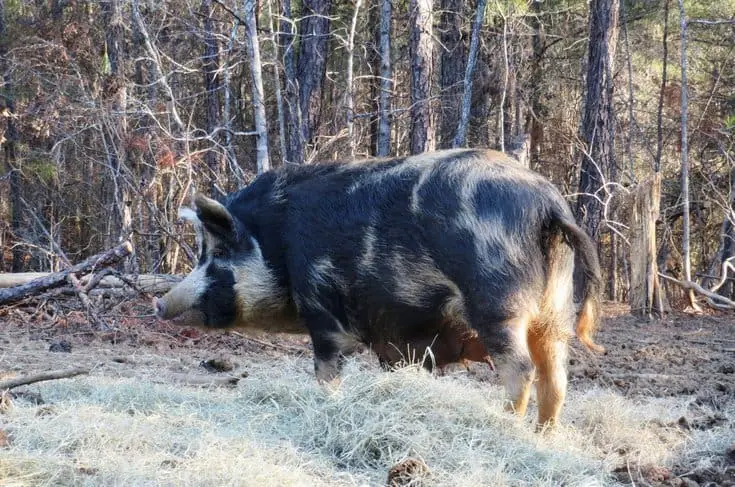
[{"x": 114, "y": 111}]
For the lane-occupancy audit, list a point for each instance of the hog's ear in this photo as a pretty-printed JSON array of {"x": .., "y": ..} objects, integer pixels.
[{"x": 215, "y": 218}]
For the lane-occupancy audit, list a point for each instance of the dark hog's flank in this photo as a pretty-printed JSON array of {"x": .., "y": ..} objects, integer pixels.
[{"x": 462, "y": 253}]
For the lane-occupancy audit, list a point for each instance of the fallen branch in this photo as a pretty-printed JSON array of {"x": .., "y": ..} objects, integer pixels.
[
  {"x": 193, "y": 380},
  {"x": 96, "y": 279},
  {"x": 30, "y": 379},
  {"x": 151, "y": 283},
  {"x": 60, "y": 278},
  {"x": 84, "y": 298},
  {"x": 262, "y": 343},
  {"x": 724, "y": 303},
  {"x": 643, "y": 376}
]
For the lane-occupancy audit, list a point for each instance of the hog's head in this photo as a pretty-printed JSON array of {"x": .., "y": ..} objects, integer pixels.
[{"x": 231, "y": 285}]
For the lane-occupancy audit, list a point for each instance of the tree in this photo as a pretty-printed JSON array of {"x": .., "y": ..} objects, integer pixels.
[
  {"x": 453, "y": 61},
  {"x": 210, "y": 67},
  {"x": 10, "y": 144},
  {"x": 118, "y": 195},
  {"x": 382, "y": 148},
  {"x": 597, "y": 129},
  {"x": 261, "y": 128},
  {"x": 685, "y": 242},
  {"x": 350, "y": 91},
  {"x": 420, "y": 52},
  {"x": 293, "y": 117},
  {"x": 312, "y": 63},
  {"x": 459, "y": 139}
]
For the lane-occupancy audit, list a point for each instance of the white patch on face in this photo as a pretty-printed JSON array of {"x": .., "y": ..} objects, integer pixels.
[
  {"x": 185, "y": 295},
  {"x": 256, "y": 288}
]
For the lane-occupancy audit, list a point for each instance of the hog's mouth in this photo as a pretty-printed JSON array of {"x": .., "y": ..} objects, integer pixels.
[{"x": 183, "y": 317}]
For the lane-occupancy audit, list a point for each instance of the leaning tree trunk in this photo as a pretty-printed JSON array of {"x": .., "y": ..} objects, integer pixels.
[
  {"x": 453, "y": 62},
  {"x": 420, "y": 50},
  {"x": 210, "y": 66},
  {"x": 261, "y": 129},
  {"x": 382, "y": 148},
  {"x": 11, "y": 141},
  {"x": 685, "y": 161}
]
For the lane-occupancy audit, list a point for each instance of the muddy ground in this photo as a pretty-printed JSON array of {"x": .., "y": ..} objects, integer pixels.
[{"x": 681, "y": 355}]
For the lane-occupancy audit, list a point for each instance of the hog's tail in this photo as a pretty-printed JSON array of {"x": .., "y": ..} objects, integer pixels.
[{"x": 589, "y": 313}]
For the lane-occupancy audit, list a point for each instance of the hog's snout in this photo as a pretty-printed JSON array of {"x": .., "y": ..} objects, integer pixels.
[{"x": 159, "y": 307}]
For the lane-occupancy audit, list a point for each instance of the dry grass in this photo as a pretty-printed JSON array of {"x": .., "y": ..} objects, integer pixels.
[{"x": 277, "y": 427}]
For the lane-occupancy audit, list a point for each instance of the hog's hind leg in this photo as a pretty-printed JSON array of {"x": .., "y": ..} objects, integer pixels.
[{"x": 549, "y": 354}]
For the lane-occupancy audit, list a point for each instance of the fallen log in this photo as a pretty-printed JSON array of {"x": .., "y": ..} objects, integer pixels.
[
  {"x": 30, "y": 379},
  {"x": 56, "y": 279},
  {"x": 150, "y": 283}
]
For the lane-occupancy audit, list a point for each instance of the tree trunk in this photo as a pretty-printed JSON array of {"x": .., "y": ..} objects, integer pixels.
[
  {"x": 506, "y": 98},
  {"x": 453, "y": 66},
  {"x": 119, "y": 194},
  {"x": 420, "y": 52},
  {"x": 279, "y": 94},
  {"x": 146, "y": 198},
  {"x": 631, "y": 99},
  {"x": 685, "y": 160},
  {"x": 597, "y": 129},
  {"x": 533, "y": 120},
  {"x": 11, "y": 141},
  {"x": 644, "y": 282},
  {"x": 235, "y": 171},
  {"x": 210, "y": 66},
  {"x": 461, "y": 136},
  {"x": 382, "y": 148},
  {"x": 294, "y": 141},
  {"x": 261, "y": 129},
  {"x": 350, "y": 94},
  {"x": 659, "y": 115},
  {"x": 312, "y": 64}
]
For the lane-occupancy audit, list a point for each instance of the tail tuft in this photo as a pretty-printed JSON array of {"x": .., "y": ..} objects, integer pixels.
[{"x": 589, "y": 314}]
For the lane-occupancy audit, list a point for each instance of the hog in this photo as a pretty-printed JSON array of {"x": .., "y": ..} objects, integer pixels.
[
  {"x": 399, "y": 252},
  {"x": 451, "y": 345}
]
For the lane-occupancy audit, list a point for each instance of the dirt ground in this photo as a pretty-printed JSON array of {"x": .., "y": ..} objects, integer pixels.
[{"x": 682, "y": 355}]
